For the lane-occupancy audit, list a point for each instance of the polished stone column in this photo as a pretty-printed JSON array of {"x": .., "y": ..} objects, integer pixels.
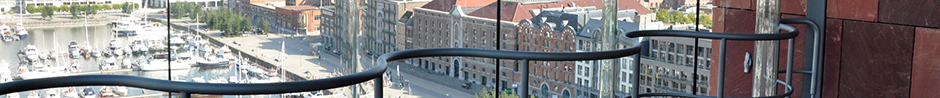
[{"x": 766, "y": 52}]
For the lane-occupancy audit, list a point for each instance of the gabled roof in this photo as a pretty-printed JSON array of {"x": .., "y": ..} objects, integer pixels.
[
  {"x": 448, "y": 5},
  {"x": 594, "y": 24},
  {"x": 557, "y": 19},
  {"x": 515, "y": 11}
]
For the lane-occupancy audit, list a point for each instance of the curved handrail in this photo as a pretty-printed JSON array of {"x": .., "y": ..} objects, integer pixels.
[
  {"x": 194, "y": 88},
  {"x": 789, "y": 90},
  {"x": 791, "y": 33},
  {"x": 376, "y": 72}
]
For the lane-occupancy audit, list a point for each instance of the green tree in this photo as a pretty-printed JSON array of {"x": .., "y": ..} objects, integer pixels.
[
  {"x": 128, "y": 8},
  {"x": 47, "y": 11},
  {"x": 90, "y": 10},
  {"x": 75, "y": 10},
  {"x": 662, "y": 15},
  {"x": 264, "y": 25},
  {"x": 117, "y": 6},
  {"x": 488, "y": 94},
  {"x": 106, "y": 7},
  {"x": 64, "y": 8},
  {"x": 32, "y": 9}
]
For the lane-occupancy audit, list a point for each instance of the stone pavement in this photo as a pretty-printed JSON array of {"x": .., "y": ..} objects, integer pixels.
[{"x": 300, "y": 59}]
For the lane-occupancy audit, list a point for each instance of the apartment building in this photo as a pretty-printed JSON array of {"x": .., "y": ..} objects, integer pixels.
[
  {"x": 328, "y": 26},
  {"x": 299, "y": 20},
  {"x": 550, "y": 31},
  {"x": 669, "y": 66},
  {"x": 380, "y": 24}
]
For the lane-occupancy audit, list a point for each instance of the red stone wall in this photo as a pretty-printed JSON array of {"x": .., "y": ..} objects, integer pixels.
[{"x": 890, "y": 47}]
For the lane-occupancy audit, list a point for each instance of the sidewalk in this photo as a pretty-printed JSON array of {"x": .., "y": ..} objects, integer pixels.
[
  {"x": 445, "y": 80},
  {"x": 299, "y": 58}
]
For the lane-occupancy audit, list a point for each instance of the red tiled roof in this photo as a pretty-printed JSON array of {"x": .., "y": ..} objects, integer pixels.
[
  {"x": 447, "y": 5},
  {"x": 515, "y": 12},
  {"x": 300, "y": 7}
]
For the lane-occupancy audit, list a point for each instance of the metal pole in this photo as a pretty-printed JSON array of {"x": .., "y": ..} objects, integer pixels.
[
  {"x": 766, "y": 52},
  {"x": 721, "y": 68},
  {"x": 815, "y": 11},
  {"x": 352, "y": 11},
  {"x": 185, "y": 95},
  {"x": 608, "y": 41},
  {"x": 636, "y": 75},
  {"x": 378, "y": 87},
  {"x": 525, "y": 79}
]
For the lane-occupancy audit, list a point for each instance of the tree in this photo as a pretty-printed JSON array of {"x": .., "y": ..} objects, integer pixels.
[
  {"x": 117, "y": 6},
  {"x": 264, "y": 25},
  {"x": 74, "y": 10},
  {"x": 662, "y": 15},
  {"x": 106, "y": 7},
  {"x": 31, "y": 9},
  {"x": 91, "y": 10},
  {"x": 487, "y": 94},
  {"x": 64, "y": 8},
  {"x": 47, "y": 11},
  {"x": 127, "y": 8}
]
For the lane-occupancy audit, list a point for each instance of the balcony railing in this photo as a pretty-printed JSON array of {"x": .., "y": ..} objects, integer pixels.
[{"x": 187, "y": 88}]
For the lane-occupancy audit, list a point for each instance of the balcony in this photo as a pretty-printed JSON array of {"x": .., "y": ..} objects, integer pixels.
[{"x": 375, "y": 73}]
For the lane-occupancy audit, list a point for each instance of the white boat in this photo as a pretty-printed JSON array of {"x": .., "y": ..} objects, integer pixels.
[
  {"x": 163, "y": 62},
  {"x": 33, "y": 94},
  {"x": 88, "y": 93},
  {"x": 70, "y": 93},
  {"x": 74, "y": 67},
  {"x": 107, "y": 64},
  {"x": 117, "y": 53},
  {"x": 198, "y": 41},
  {"x": 212, "y": 61},
  {"x": 6, "y": 33},
  {"x": 225, "y": 53},
  {"x": 106, "y": 92},
  {"x": 21, "y": 31},
  {"x": 44, "y": 73},
  {"x": 114, "y": 44},
  {"x": 31, "y": 53},
  {"x": 52, "y": 94},
  {"x": 219, "y": 80},
  {"x": 199, "y": 80},
  {"x": 120, "y": 90},
  {"x": 74, "y": 50},
  {"x": 96, "y": 53}
]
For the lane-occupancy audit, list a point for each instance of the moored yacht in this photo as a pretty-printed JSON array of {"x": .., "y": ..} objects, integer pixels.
[{"x": 163, "y": 62}]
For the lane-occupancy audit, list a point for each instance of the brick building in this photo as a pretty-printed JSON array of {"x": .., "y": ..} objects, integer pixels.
[
  {"x": 381, "y": 30},
  {"x": 297, "y": 19},
  {"x": 438, "y": 24},
  {"x": 328, "y": 26},
  {"x": 872, "y": 48}
]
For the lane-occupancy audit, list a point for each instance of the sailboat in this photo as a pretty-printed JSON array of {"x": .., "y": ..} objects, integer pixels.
[{"x": 21, "y": 31}]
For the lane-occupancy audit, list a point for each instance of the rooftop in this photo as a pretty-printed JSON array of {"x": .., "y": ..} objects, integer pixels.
[
  {"x": 270, "y": 5},
  {"x": 299, "y": 7},
  {"x": 448, "y": 5},
  {"x": 516, "y": 11}
]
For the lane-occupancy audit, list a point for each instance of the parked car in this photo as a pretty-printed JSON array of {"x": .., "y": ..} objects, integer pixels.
[{"x": 466, "y": 85}]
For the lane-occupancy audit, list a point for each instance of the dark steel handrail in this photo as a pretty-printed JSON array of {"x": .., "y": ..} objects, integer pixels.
[
  {"x": 194, "y": 88},
  {"x": 376, "y": 72}
]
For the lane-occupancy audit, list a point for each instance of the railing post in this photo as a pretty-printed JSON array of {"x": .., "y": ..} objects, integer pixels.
[
  {"x": 185, "y": 95},
  {"x": 378, "y": 87},
  {"x": 636, "y": 72},
  {"x": 607, "y": 78},
  {"x": 525, "y": 79},
  {"x": 721, "y": 68},
  {"x": 766, "y": 53}
]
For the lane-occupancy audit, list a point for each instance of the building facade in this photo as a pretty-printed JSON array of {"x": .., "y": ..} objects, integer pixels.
[
  {"x": 328, "y": 26},
  {"x": 204, "y": 3},
  {"x": 380, "y": 28},
  {"x": 669, "y": 66},
  {"x": 299, "y": 20}
]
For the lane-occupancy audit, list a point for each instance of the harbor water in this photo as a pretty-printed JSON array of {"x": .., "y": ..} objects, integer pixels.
[{"x": 99, "y": 37}]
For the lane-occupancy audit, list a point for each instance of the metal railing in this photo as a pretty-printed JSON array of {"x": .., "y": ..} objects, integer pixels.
[{"x": 188, "y": 88}]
